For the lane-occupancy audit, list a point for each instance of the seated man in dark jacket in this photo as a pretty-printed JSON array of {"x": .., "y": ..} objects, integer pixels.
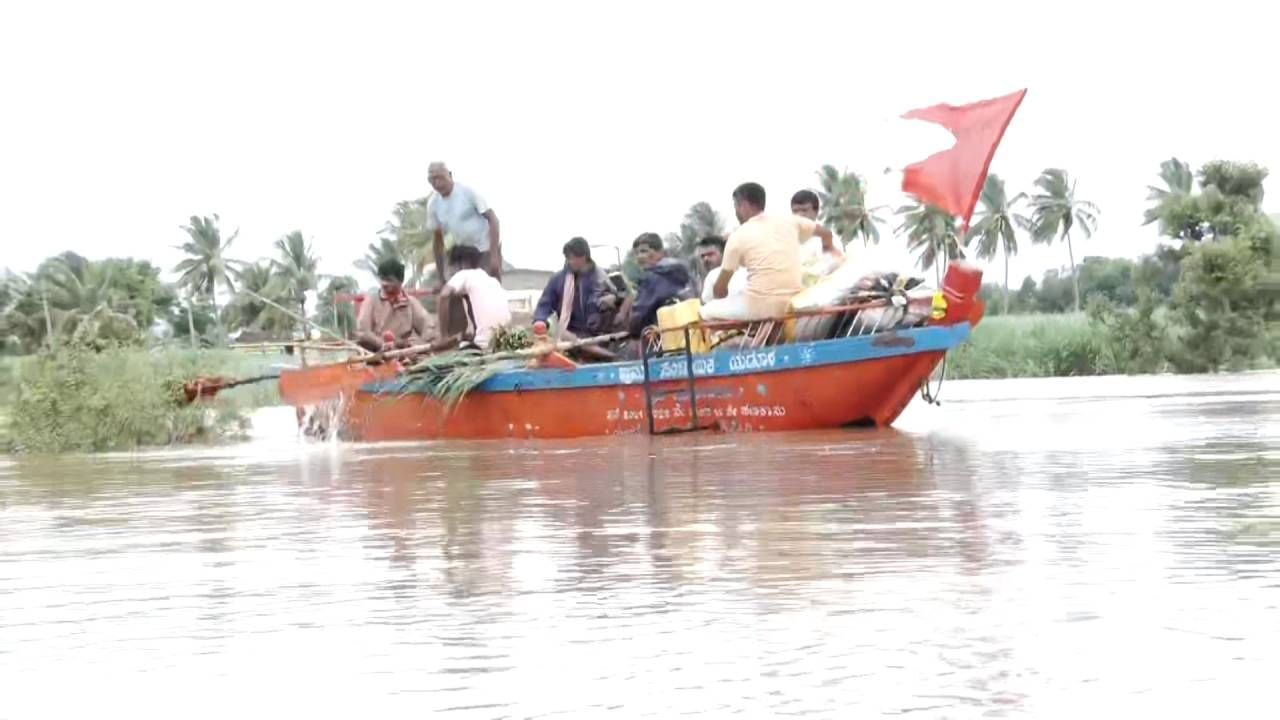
[
  {"x": 594, "y": 300},
  {"x": 664, "y": 280}
]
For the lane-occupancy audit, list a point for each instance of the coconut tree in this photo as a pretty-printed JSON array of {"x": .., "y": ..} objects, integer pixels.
[
  {"x": 1178, "y": 184},
  {"x": 931, "y": 233},
  {"x": 699, "y": 221},
  {"x": 295, "y": 273},
  {"x": 996, "y": 226},
  {"x": 384, "y": 249},
  {"x": 407, "y": 232},
  {"x": 248, "y": 309},
  {"x": 75, "y": 284},
  {"x": 208, "y": 265},
  {"x": 81, "y": 296},
  {"x": 844, "y": 206},
  {"x": 23, "y": 320},
  {"x": 1056, "y": 212},
  {"x": 339, "y": 317}
]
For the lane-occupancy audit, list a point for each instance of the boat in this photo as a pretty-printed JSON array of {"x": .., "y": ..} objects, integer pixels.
[{"x": 767, "y": 384}]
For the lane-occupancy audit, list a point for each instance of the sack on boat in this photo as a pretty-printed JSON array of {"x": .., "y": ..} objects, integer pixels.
[{"x": 841, "y": 288}]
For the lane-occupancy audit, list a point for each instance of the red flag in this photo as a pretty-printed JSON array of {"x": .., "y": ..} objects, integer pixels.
[{"x": 951, "y": 180}]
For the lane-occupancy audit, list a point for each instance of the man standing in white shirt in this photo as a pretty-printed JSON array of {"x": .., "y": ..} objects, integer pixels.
[{"x": 487, "y": 298}]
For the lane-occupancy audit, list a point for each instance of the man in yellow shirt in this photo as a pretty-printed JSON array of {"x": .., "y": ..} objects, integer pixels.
[{"x": 768, "y": 246}]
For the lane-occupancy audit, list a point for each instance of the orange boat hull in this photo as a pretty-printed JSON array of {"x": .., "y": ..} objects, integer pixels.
[
  {"x": 873, "y": 392},
  {"x": 860, "y": 380}
]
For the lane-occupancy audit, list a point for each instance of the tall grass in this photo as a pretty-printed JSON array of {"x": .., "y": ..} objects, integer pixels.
[
  {"x": 76, "y": 400},
  {"x": 1031, "y": 346},
  {"x": 10, "y": 369}
]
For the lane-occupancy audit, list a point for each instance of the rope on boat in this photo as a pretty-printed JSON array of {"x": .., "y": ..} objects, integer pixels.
[{"x": 930, "y": 395}]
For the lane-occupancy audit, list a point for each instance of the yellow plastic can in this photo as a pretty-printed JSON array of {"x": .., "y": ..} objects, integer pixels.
[{"x": 673, "y": 318}]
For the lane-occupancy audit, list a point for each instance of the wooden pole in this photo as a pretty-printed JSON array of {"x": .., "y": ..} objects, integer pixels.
[{"x": 295, "y": 316}]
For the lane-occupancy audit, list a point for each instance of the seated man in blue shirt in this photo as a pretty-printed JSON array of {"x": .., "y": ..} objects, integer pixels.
[
  {"x": 665, "y": 280},
  {"x": 594, "y": 301}
]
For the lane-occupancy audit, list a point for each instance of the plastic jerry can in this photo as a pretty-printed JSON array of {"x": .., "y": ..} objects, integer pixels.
[{"x": 673, "y": 318}]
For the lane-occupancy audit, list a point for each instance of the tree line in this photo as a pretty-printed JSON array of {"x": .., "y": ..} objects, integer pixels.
[{"x": 1211, "y": 233}]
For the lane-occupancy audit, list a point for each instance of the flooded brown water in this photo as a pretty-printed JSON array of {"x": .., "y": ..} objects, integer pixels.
[{"x": 1048, "y": 548}]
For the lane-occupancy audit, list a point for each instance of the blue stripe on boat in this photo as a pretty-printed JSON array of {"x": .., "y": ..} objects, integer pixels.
[{"x": 721, "y": 363}]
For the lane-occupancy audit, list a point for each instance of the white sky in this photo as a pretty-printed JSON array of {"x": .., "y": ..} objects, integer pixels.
[{"x": 119, "y": 120}]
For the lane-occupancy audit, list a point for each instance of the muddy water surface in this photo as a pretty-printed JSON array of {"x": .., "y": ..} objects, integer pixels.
[{"x": 1048, "y": 548}]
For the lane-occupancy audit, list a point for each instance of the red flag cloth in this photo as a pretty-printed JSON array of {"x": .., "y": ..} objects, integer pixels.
[{"x": 952, "y": 180}]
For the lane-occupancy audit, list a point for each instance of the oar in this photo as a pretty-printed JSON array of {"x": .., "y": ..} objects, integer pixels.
[
  {"x": 530, "y": 352},
  {"x": 317, "y": 383},
  {"x": 207, "y": 387}
]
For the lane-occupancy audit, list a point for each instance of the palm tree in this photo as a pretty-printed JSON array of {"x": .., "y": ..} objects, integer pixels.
[
  {"x": 79, "y": 294},
  {"x": 22, "y": 317},
  {"x": 340, "y": 318},
  {"x": 75, "y": 284},
  {"x": 995, "y": 229},
  {"x": 257, "y": 280},
  {"x": 1178, "y": 183},
  {"x": 699, "y": 221},
  {"x": 407, "y": 231},
  {"x": 295, "y": 270},
  {"x": 931, "y": 233},
  {"x": 844, "y": 206},
  {"x": 208, "y": 265},
  {"x": 1055, "y": 212},
  {"x": 384, "y": 249}
]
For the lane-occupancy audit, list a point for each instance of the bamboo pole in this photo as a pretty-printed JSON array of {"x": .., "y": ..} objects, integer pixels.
[{"x": 303, "y": 320}]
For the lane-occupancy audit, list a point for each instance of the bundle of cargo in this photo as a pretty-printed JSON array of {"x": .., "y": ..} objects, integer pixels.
[{"x": 848, "y": 286}]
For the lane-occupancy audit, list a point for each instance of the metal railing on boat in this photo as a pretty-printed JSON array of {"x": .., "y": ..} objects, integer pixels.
[{"x": 800, "y": 325}]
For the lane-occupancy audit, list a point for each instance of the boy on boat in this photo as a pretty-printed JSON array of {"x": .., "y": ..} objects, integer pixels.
[
  {"x": 482, "y": 295},
  {"x": 768, "y": 247},
  {"x": 391, "y": 312}
]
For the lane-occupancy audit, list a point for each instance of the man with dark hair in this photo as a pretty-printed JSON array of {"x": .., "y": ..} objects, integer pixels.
[
  {"x": 710, "y": 251},
  {"x": 579, "y": 295},
  {"x": 489, "y": 309},
  {"x": 391, "y": 310},
  {"x": 805, "y": 204},
  {"x": 768, "y": 246},
  {"x": 663, "y": 281}
]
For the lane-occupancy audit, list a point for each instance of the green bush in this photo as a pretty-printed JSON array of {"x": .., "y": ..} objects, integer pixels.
[
  {"x": 74, "y": 399},
  {"x": 1220, "y": 309},
  {"x": 1133, "y": 340},
  {"x": 1029, "y": 346}
]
